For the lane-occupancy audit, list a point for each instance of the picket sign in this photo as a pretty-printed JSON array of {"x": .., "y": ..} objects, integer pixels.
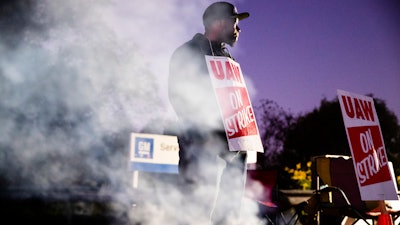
[
  {"x": 371, "y": 165},
  {"x": 234, "y": 103}
]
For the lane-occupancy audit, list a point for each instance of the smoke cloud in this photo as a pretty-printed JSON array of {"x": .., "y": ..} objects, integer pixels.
[{"x": 76, "y": 78}]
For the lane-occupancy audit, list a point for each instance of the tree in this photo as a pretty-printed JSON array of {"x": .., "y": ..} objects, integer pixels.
[
  {"x": 318, "y": 132},
  {"x": 273, "y": 122},
  {"x": 291, "y": 141},
  {"x": 322, "y": 131}
]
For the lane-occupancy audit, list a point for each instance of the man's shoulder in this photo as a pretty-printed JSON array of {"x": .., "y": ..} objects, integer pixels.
[
  {"x": 198, "y": 40},
  {"x": 195, "y": 45}
]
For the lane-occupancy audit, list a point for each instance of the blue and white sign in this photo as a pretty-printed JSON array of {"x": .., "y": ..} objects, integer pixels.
[{"x": 154, "y": 153}]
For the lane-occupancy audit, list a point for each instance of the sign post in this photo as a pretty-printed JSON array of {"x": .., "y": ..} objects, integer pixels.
[
  {"x": 234, "y": 103},
  {"x": 363, "y": 131}
]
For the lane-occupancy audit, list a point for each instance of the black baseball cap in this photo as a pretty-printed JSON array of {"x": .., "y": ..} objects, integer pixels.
[{"x": 222, "y": 10}]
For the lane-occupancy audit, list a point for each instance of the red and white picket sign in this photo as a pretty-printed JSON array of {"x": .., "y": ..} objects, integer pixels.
[
  {"x": 371, "y": 165},
  {"x": 234, "y": 103}
]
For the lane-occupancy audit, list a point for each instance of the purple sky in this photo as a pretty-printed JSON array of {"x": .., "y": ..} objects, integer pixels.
[{"x": 298, "y": 52}]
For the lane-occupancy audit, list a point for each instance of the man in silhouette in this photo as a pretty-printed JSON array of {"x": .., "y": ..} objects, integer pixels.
[{"x": 211, "y": 177}]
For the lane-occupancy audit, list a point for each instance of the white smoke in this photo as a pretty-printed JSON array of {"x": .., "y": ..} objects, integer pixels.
[{"x": 77, "y": 81}]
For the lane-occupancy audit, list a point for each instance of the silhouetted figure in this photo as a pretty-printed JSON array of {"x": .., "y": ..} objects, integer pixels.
[{"x": 202, "y": 141}]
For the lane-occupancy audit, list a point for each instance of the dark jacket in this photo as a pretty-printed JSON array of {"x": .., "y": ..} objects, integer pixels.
[
  {"x": 192, "y": 96},
  {"x": 190, "y": 90}
]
